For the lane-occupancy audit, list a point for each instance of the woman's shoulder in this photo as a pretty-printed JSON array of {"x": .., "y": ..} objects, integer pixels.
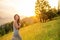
[{"x": 14, "y": 22}]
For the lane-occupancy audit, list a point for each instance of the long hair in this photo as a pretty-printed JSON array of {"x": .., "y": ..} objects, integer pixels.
[{"x": 18, "y": 21}]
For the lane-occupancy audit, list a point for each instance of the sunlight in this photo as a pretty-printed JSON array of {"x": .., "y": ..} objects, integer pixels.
[
  {"x": 53, "y": 3},
  {"x": 24, "y": 8}
]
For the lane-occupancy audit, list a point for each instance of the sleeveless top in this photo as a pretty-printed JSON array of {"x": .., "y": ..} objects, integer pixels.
[
  {"x": 16, "y": 35},
  {"x": 15, "y": 31}
]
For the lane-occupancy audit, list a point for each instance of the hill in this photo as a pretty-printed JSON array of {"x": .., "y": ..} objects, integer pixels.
[{"x": 39, "y": 31}]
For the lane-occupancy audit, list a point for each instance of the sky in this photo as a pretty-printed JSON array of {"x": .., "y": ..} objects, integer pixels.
[
  {"x": 21, "y": 7},
  {"x": 24, "y": 8},
  {"x": 53, "y": 3},
  {"x": 8, "y": 8}
]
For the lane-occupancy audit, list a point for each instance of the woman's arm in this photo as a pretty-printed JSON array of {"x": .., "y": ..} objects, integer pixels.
[
  {"x": 19, "y": 26},
  {"x": 16, "y": 25}
]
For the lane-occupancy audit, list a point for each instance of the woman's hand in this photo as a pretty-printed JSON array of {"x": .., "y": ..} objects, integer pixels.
[{"x": 19, "y": 26}]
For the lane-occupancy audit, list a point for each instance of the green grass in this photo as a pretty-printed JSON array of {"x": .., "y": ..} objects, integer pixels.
[{"x": 39, "y": 31}]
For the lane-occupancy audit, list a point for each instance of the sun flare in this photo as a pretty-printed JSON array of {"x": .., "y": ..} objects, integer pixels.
[{"x": 24, "y": 8}]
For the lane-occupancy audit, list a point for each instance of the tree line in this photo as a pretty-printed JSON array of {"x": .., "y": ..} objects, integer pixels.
[{"x": 6, "y": 28}]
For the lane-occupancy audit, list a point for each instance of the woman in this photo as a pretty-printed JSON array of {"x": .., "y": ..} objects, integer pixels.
[{"x": 16, "y": 27}]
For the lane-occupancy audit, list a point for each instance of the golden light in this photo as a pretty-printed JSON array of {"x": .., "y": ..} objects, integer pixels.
[
  {"x": 53, "y": 3},
  {"x": 24, "y": 8}
]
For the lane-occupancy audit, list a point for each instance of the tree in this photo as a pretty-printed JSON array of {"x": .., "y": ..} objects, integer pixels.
[
  {"x": 37, "y": 9},
  {"x": 44, "y": 11},
  {"x": 41, "y": 9},
  {"x": 6, "y": 28},
  {"x": 2, "y": 31},
  {"x": 58, "y": 12}
]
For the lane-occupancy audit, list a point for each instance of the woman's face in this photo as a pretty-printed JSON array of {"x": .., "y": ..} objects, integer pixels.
[{"x": 16, "y": 17}]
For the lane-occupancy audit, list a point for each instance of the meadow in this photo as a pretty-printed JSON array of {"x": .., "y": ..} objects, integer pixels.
[{"x": 38, "y": 31}]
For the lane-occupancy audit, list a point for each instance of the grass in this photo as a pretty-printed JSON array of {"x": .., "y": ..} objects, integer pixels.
[{"x": 39, "y": 31}]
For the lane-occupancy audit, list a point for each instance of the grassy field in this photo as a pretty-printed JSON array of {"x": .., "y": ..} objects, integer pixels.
[{"x": 39, "y": 31}]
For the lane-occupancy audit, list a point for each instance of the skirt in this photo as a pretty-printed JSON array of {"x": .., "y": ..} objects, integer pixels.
[{"x": 16, "y": 36}]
